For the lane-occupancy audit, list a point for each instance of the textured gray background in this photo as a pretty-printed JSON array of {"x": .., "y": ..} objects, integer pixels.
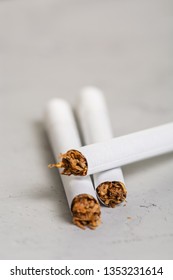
[{"x": 53, "y": 48}]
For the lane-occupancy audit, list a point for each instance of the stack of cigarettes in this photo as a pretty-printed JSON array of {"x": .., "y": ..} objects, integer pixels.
[{"x": 102, "y": 156}]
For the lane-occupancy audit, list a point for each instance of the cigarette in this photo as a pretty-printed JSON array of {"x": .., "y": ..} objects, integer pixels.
[
  {"x": 63, "y": 135},
  {"x": 93, "y": 118},
  {"x": 119, "y": 151}
]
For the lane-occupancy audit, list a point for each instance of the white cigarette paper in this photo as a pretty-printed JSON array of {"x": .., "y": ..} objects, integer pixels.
[
  {"x": 63, "y": 135},
  {"x": 124, "y": 150},
  {"x": 93, "y": 118}
]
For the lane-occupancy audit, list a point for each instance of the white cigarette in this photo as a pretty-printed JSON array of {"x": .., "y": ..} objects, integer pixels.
[
  {"x": 63, "y": 135},
  {"x": 93, "y": 118},
  {"x": 120, "y": 151}
]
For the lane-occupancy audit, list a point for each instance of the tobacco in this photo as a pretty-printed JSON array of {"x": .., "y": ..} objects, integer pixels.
[
  {"x": 86, "y": 211},
  {"x": 112, "y": 193},
  {"x": 73, "y": 162}
]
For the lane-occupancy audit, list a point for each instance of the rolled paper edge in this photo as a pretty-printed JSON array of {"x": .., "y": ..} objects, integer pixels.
[
  {"x": 86, "y": 211},
  {"x": 73, "y": 162},
  {"x": 111, "y": 200}
]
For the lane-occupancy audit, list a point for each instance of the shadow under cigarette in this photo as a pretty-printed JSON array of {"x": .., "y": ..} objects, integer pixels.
[
  {"x": 56, "y": 195},
  {"x": 147, "y": 164}
]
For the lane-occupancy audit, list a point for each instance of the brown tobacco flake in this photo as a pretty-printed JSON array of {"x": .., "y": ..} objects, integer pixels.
[
  {"x": 86, "y": 211},
  {"x": 129, "y": 218},
  {"x": 73, "y": 162},
  {"x": 112, "y": 193}
]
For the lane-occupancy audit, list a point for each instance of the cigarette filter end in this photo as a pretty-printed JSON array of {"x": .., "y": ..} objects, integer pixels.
[
  {"x": 73, "y": 162},
  {"x": 112, "y": 193},
  {"x": 86, "y": 211}
]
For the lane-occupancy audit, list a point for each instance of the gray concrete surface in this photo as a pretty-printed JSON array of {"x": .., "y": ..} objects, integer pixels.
[{"x": 53, "y": 48}]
